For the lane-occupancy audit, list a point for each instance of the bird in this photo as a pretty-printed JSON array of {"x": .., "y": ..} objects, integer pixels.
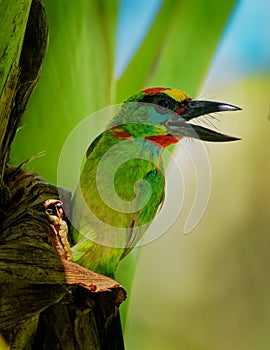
[{"x": 122, "y": 183}]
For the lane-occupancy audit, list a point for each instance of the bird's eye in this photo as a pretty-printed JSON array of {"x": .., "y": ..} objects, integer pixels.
[{"x": 162, "y": 106}]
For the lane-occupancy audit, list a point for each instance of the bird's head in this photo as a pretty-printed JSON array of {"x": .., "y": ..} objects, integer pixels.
[{"x": 163, "y": 114}]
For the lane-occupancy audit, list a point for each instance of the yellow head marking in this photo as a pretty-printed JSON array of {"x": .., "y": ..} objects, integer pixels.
[{"x": 177, "y": 95}]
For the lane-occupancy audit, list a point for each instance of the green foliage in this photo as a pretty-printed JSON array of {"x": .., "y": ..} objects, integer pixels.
[
  {"x": 3, "y": 344},
  {"x": 178, "y": 49},
  {"x": 14, "y": 15},
  {"x": 78, "y": 73},
  {"x": 77, "y": 79}
]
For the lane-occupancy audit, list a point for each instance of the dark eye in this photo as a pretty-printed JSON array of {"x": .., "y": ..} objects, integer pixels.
[{"x": 162, "y": 106}]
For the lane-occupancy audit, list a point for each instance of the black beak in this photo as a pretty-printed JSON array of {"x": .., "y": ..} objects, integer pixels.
[{"x": 177, "y": 124}]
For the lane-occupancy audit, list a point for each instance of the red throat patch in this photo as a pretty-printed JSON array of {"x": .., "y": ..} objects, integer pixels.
[
  {"x": 163, "y": 140},
  {"x": 121, "y": 134}
]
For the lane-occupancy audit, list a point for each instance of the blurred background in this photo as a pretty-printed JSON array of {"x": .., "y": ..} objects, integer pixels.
[{"x": 208, "y": 289}]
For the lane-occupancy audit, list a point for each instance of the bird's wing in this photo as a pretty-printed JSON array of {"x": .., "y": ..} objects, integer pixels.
[
  {"x": 145, "y": 216},
  {"x": 93, "y": 145}
]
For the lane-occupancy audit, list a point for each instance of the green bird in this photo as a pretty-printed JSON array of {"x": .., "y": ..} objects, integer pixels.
[{"x": 122, "y": 182}]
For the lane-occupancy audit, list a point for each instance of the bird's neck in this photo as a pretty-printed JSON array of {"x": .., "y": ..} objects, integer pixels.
[
  {"x": 162, "y": 140},
  {"x": 156, "y": 137}
]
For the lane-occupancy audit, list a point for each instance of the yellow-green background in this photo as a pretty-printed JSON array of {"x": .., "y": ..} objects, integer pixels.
[{"x": 210, "y": 289}]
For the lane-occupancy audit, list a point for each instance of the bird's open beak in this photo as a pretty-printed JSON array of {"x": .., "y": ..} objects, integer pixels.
[{"x": 178, "y": 124}]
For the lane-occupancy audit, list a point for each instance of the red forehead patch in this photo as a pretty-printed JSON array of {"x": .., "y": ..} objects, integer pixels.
[{"x": 153, "y": 91}]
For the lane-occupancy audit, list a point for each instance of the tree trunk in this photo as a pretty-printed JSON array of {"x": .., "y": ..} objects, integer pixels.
[{"x": 46, "y": 300}]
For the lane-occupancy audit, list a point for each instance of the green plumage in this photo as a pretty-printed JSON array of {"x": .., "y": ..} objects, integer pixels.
[
  {"x": 116, "y": 227},
  {"x": 122, "y": 182}
]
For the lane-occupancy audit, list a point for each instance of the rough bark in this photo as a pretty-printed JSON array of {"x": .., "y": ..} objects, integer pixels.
[{"x": 46, "y": 300}]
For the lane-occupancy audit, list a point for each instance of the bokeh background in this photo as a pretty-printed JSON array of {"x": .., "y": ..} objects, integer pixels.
[{"x": 208, "y": 289}]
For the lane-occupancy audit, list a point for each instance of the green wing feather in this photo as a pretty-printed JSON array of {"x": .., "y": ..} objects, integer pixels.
[{"x": 144, "y": 164}]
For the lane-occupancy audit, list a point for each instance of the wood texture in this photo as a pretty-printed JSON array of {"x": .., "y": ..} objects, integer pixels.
[{"x": 46, "y": 301}]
